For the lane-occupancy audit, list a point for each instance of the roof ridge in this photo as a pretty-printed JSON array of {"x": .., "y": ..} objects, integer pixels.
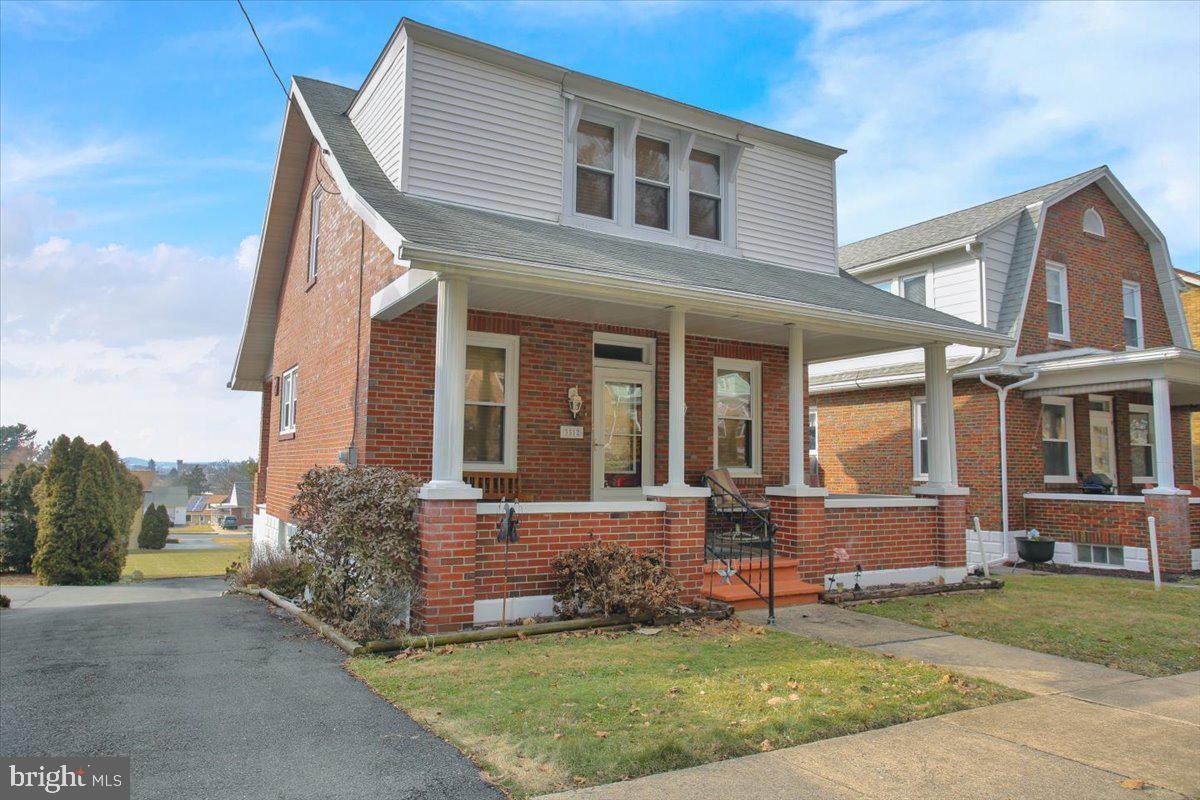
[{"x": 977, "y": 205}]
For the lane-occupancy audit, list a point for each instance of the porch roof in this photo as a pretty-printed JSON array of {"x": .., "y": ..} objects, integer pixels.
[{"x": 1088, "y": 372}]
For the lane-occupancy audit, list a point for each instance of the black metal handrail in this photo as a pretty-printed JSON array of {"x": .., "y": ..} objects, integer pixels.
[{"x": 741, "y": 540}]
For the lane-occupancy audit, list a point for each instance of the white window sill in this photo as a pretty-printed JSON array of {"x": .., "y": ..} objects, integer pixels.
[
  {"x": 468, "y": 467},
  {"x": 743, "y": 473},
  {"x": 921, "y": 478},
  {"x": 1059, "y": 337},
  {"x": 1143, "y": 479},
  {"x": 1059, "y": 479}
]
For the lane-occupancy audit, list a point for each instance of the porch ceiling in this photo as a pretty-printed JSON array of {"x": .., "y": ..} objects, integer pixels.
[{"x": 821, "y": 341}]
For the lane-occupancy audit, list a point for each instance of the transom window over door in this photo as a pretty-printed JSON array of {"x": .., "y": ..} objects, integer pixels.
[
  {"x": 737, "y": 416},
  {"x": 704, "y": 198},
  {"x": 594, "y": 169},
  {"x": 1058, "y": 440},
  {"x": 490, "y": 415},
  {"x": 652, "y": 186},
  {"x": 1058, "y": 321}
]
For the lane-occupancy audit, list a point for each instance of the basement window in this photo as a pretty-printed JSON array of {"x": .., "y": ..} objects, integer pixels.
[{"x": 1100, "y": 554}]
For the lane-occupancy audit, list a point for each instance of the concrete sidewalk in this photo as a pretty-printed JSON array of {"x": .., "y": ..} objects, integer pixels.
[{"x": 1086, "y": 732}]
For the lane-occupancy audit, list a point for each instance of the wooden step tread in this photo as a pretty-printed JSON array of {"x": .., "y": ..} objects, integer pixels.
[
  {"x": 746, "y": 564},
  {"x": 788, "y": 591}
]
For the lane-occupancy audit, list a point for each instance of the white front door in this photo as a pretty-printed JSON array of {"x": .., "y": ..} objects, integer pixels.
[
  {"x": 622, "y": 433},
  {"x": 1103, "y": 437}
]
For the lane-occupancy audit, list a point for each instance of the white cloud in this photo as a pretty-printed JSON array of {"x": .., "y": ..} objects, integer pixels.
[
  {"x": 247, "y": 254},
  {"x": 133, "y": 346},
  {"x": 942, "y": 108},
  {"x": 35, "y": 162}
]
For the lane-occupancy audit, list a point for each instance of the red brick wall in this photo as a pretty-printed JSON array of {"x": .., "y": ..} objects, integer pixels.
[
  {"x": 1089, "y": 521},
  {"x": 317, "y": 332},
  {"x": 544, "y": 536},
  {"x": 880, "y": 538},
  {"x": 1095, "y": 268},
  {"x": 554, "y": 356}
]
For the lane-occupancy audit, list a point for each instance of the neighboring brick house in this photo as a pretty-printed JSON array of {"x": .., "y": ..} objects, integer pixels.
[
  {"x": 1102, "y": 373},
  {"x": 509, "y": 278}
]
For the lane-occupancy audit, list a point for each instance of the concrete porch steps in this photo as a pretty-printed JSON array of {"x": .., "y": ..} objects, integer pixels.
[{"x": 790, "y": 590}]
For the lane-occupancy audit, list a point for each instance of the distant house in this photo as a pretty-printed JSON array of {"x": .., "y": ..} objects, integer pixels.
[
  {"x": 146, "y": 477},
  {"x": 239, "y": 503},
  {"x": 175, "y": 498},
  {"x": 205, "y": 509},
  {"x": 1190, "y": 296}
]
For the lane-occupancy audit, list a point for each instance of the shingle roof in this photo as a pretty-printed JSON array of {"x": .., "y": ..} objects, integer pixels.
[
  {"x": 949, "y": 227},
  {"x": 169, "y": 496},
  {"x": 890, "y": 370},
  {"x": 449, "y": 227}
]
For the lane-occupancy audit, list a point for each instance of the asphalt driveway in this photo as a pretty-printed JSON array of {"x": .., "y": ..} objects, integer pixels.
[{"x": 211, "y": 697}]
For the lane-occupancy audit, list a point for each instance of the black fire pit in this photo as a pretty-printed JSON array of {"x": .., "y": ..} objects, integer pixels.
[{"x": 1035, "y": 551}]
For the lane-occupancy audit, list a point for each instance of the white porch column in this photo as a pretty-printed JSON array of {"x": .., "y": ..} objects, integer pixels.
[
  {"x": 677, "y": 426},
  {"x": 939, "y": 408},
  {"x": 797, "y": 423},
  {"x": 1164, "y": 451},
  {"x": 449, "y": 377}
]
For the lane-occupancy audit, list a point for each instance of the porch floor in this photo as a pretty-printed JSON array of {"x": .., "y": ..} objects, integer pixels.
[{"x": 790, "y": 590}]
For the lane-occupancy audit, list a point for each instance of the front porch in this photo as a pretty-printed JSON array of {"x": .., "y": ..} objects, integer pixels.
[{"x": 603, "y": 424}]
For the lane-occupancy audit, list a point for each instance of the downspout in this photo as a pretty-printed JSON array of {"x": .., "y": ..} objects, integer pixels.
[{"x": 1002, "y": 395}]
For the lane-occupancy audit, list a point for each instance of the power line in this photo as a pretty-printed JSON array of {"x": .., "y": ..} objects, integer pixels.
[{"x": 262, "y": 47}]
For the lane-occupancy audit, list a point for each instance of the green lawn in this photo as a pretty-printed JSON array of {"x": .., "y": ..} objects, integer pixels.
[
  {"x": 562, "y": 711},
  {"x": 183, "y": 563},
  {"x": 1117, "y": 622}
]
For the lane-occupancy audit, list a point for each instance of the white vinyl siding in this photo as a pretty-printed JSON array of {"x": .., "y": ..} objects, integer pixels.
[
  {"x": 483, "y": 136},
  {"x": 378, "y": 114},
  {"x": 997, "y": 258},
  {"x": 785, "y": 208}
]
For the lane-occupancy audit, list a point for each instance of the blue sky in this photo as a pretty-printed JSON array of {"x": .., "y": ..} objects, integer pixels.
[{"x": 136, "y": 144}]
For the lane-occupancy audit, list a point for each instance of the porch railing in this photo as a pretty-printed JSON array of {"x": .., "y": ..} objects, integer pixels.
[{"x": 739, "y": 544}]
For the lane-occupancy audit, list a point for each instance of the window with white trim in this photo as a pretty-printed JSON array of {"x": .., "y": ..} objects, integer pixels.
[
  {"x": 812, "y": 434},
  {"x": 884, "y": 285},
  {"x": 1058, "y": 320},
  {"x": 737, "y": 416},
  {"x": 1058, "y": 440},
  {"x": 1100, "y": 554},
  {"x": 287, "y": 401},
  {"x": 1131, "y": 301},
  {"x": 595, "y": 169},
  {"x": 652, "y": 183},
  {"x": 1092, "y": 223},
  {"x": 490, "y": 395},
  {"x": 704, "y": 194},
  {"x": 1141, "y": 442},
  {"x": 915, "y": 288},
  {"x": 314, "y": 233},
  {"x": 920, "y": 439}
]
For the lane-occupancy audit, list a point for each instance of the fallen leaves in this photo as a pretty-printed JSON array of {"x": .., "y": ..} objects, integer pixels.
[
  {"x": 765, "y": 746},
  {"x": 1136, "y": 785}
]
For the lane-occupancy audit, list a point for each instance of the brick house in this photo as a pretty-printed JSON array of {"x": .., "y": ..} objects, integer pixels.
[
  {"x": 1101, "y": 379},
  {"x": 514, "y": 280},
  {"x": 1191, "y": 310}
]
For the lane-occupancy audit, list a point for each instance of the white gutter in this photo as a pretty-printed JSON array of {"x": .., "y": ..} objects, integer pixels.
[{"x": 1002, "y": 394}]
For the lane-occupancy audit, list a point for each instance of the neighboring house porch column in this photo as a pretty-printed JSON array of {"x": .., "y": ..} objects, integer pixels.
[
  {"x": 951, "y": 533},
  {"x": 1165, "y": 502},
  {"x": 446, "y": 522},
  {"x": 798, "y": 510}
]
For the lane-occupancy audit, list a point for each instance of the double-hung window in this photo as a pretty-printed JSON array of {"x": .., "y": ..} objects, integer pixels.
[
  {"x": 652, "y": 183},
  {"x": 1058, "y": 318},
  {"x": 914, "y": 287},
  {"x": 920, "y": 429},
  {"x": 1141, "y": 442},
  {"x": 704, "y": 197},
  {"x": 1131, "y": 299},
  {"x": 737, "y": 416},
  {"x": 1058, "y": 440},
  {"x": 595, "y": 169},
  {"x": 812, "y": 435},
  {"x": 490, "y": 416},
  {"x": 287, "y": 401},
  {"x": 314, "y": 233}
]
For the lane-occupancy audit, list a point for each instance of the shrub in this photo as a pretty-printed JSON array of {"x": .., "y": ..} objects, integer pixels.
[
  {"x": 18, "y": 518},
  {"x": 281, "y": 572},
  {"x": 86, "y": 502},
  {"x": 5, "y": 602},
  {"x": 156, "y": 522},
  {"x": 608, "y": 578},
  {"x": 357, "y": 529}
]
